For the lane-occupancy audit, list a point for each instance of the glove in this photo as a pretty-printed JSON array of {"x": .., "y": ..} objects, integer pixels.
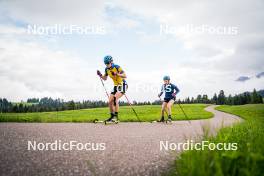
[
  {"x": 159, "y": 95},
  {"x": 174, "y": 94},
  {"x": 99, "y": 73}
]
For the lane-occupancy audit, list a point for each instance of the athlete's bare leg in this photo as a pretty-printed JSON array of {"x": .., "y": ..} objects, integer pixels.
[
  {"x": 118, "y": 95},
  {"x": 169, "y": 105},
  {"x": 163, "y": 108},
  {"x": 111, "y": 103}
]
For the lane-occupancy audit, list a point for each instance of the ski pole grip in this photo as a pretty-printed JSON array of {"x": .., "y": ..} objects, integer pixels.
[{"x": 99, "y": 73}]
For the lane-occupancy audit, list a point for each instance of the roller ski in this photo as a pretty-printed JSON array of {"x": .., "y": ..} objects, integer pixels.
[
  {"x": 98, "y": 121},
  {"x": 112, "y": 120},
  {"x": 161, "y": 120},
  {"x": 106, "y": 121}
]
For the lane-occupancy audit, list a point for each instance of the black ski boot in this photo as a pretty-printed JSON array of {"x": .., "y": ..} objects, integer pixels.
[
  {"x": 116, "y": 116},
  {"x": 112, "y": 119},
  {"x": 162, "y": 119},
  {"x": 169, "y": 118},
  {"x": 112, "y": 116}
]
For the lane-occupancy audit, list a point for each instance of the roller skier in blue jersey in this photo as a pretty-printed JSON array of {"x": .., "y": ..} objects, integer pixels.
[{"x": 170, "y": 91}]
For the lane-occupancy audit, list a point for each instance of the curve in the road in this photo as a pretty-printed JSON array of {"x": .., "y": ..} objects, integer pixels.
[{"x": 131, "y": 148}]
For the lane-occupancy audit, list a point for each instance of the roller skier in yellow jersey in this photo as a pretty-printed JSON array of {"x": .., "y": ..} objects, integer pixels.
[{"x": 117, "y": 74}]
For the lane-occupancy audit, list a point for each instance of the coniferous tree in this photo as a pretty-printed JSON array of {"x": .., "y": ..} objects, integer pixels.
[
  {"x": 192, "y": 100},
  {"x": 205, "y": 99},
  {"x": 254, "y": 97},
  {"x": 229, "y": 100},
  {"x": 221, "y": 98},
  {"x": 214, "y": 98},
  {"x": 199, "y": 98}
]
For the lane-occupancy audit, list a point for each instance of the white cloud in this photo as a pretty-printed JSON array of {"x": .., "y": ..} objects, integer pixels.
[
  {"x": 79, "y": 12},
  {"x": 11, "y": 30},
  {"x": 245, "y": 16},
  {"x": 207, "y": 63},
  {"x": 30, "y": 69}
]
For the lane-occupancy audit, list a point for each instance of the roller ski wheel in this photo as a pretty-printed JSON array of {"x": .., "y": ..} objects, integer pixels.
[
  {"x": 98, "y": 121},
  {"x": 169, "y": 121},
  {"x": 113, "y": 121},
  {"x": 161, "y": 121}
]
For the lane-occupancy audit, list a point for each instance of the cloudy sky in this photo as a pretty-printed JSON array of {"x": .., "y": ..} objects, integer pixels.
[{"x": 204, "y": 46}]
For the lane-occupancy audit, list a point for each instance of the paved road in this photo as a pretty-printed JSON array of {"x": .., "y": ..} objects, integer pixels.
[{"x": 131, "y": 148}]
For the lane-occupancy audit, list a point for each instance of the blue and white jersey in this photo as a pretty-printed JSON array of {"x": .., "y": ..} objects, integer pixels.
[{"x": 169, "y": 89}]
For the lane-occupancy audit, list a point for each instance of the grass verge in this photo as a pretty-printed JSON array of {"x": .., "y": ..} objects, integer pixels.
[{"x": 247, "y": 160}]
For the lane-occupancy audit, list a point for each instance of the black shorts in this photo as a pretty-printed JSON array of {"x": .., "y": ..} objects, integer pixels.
[
  {"x": 167, "y": 100},
  {"x": 120, "y": 88}
]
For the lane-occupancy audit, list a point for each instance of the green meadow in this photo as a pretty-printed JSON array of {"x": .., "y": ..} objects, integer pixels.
[{"x": 146, "y": 113}]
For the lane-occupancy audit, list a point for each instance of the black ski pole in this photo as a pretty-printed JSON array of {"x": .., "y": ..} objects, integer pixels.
[
  {"x": 132, "y": 108},
  {"x": 104, "y": 87},
  {"x": 184, "y": 113}
]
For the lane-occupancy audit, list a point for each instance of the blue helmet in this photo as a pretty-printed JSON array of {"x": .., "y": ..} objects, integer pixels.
[
  {"x": 166, "y": 78},
  {"x": 108, "y": 59}
]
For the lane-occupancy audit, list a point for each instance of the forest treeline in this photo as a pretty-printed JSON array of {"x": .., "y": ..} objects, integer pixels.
[{"x": 48, "y": 104}]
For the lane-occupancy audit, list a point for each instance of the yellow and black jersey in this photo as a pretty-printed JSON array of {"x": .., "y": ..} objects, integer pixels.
[{"x": 112, "y": 73}]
